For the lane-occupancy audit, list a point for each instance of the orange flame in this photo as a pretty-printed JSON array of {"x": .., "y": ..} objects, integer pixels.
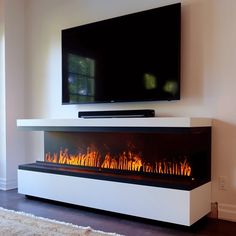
[{"x": 125, "y": 161}]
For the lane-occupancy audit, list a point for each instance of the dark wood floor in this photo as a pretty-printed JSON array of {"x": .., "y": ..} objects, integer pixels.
[{"x": 104, "y": 221}]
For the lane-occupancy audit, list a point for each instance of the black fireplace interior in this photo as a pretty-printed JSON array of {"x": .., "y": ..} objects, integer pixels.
[{"x": 177, "y": 158}]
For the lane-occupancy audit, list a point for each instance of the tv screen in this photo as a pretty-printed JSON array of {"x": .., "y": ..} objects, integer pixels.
[{"x": 130, "y": 58}]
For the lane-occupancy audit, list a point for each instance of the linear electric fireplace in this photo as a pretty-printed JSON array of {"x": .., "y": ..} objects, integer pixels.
[
  {"x": 153, "y": 158},
  {"x": 178, "y": 158}
]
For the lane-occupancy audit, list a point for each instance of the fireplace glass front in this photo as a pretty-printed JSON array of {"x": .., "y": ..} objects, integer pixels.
[{"x": 166, "y": 157}]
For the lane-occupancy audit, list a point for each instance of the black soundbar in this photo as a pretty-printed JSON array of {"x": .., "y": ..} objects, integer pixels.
[{"x": 117, "y": 114}]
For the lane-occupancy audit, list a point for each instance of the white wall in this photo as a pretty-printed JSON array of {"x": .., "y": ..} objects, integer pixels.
[
  {"x": 14, "y": 85},
  {"x": 2, "y": 98},
  {"x": 208, "y": 72},
  {"x": 12, "y": 89}
]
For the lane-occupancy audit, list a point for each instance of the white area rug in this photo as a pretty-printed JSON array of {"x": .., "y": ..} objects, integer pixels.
[{"x": 23, "y": 224}]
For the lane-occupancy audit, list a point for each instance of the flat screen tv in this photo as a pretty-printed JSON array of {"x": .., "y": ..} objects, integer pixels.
[{"x": 129, "y": 58}]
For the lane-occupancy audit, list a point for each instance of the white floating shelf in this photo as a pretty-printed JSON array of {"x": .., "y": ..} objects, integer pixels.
[{"x": 42, "y": 124}]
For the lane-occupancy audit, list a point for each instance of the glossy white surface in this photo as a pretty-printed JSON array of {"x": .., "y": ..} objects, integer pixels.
[{"x": 162, "y": 204}]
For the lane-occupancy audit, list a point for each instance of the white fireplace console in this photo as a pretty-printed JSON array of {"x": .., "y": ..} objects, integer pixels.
[{"x": 183, "y": 207}]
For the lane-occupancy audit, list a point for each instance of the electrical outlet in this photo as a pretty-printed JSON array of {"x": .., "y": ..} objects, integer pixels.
[{"x": 223, "y": 183}]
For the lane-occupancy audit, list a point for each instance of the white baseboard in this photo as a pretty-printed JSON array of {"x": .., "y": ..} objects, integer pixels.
[
  {"x": 7, "y": 184},
  {"x": 2, "y": 184},
  {"x": 227, "y": 212}
]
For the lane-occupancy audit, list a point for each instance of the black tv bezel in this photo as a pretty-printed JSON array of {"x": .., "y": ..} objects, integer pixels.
[{"x": 177, "y": 96}]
